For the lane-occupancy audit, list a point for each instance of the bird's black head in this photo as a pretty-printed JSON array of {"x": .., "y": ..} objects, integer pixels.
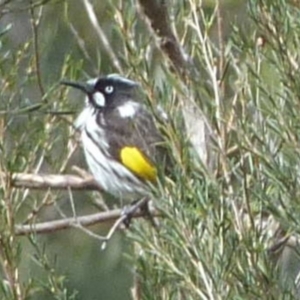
[{"x": 109, "y": 91}]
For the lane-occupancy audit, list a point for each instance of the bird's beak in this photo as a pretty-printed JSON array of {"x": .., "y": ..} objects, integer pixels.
[{"x": 85, "y": 87}]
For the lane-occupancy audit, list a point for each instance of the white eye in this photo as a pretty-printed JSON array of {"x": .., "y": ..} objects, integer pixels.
[
  {"x": 99, "y": 99},
  {"x": 109, "y": 89}
]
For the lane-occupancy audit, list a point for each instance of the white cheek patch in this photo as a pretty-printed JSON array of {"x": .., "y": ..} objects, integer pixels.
[
  {"x": 128, "y": 110},
  {"x": 99, "y": 99}
]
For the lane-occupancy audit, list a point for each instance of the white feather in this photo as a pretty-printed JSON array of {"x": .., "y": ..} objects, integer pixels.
[
  {"x": 102, "y": 166},
  {"x": 128, "y": 109},
  {"x": 84, "y": 115},
  {"x": 99, "y": 99}
]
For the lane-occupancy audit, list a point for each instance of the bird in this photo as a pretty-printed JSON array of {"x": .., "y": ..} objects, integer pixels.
[{"x": 123, "y": 145}]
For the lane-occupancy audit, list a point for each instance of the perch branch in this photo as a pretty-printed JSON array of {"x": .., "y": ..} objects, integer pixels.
[
  {"x": 45, "y": 181},
  {"x": 84, "y": 221}
]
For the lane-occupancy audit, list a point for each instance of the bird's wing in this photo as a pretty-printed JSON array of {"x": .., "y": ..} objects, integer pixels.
[{"x": 136, "y": 143}]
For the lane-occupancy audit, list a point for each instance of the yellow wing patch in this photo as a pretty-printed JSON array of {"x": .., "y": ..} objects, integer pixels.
[{"x": 135, "y": 161}]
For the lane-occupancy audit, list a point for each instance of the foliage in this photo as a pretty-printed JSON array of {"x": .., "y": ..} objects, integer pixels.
[{"x": 227, "y": 225}]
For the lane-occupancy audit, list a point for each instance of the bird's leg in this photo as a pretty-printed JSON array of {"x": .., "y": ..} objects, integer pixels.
[{"x": 143, "y": 206}]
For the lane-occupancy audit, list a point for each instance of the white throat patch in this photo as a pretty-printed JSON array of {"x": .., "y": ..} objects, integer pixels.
[
  {"x": 128, "y": 109},
  {"x": 86, "y": 114}
]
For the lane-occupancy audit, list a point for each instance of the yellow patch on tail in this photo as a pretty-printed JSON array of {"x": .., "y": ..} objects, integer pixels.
[{"x": 135, "y": 161}]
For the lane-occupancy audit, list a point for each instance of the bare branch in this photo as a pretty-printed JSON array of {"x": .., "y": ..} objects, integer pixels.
[
  {"x": 82, "y": 45},
  {"x": 157, "y": 13},
  {"x": 84, "y": 221},
  {"x": 45, "y": 181}
]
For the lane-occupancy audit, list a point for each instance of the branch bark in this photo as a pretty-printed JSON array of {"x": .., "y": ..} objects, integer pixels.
[
  {"x": 54, "y": 181},
  {"x": 46, "y": 181},
  {"x": 156, "y": 12},
  {"x": 84, "y": 221}
]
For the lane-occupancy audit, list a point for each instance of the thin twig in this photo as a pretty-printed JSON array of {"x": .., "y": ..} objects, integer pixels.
[
  {"x": 45, "y": 200},
  {"x": 128, "y": 214},
  {"x": 81, "y": 42},
  {"x": 220, "y": 26},
  {"x": 77, "y": 224},
  {"x": 35, "y": 24},
  {"x": 109, "y": 50},
  {"x": 5, "y": 9},
  {"x": 11, "y": 269}
]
